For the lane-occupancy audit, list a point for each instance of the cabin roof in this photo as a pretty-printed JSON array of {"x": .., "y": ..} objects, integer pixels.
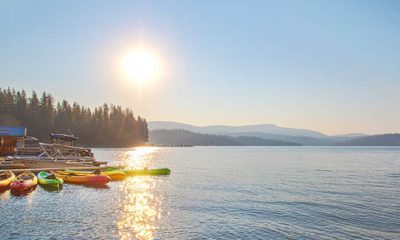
[{"x": 6, "y": 131}]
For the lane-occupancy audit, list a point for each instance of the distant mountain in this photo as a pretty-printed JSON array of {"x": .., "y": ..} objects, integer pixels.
[
  {"x": 222, "y": 129},
  {"x": 374, "y": 140},
  {"x": 306, "y": 141},
  {"x": 350, "y": 135},
  {"x": 255, "y": 134},
  {"x": 266, "y": 131},
  {"x": 184, "y": 137},
  {"x": 153, "y": 125}
]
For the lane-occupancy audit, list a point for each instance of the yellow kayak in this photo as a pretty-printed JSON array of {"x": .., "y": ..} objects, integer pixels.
[
  {"x": 114, "y": 174},
  {"x": 145, "y": 171},
  {"x": 6, "y": 178}
]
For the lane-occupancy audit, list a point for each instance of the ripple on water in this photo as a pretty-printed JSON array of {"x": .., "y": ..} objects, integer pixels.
[{"x": 222, "y": 193}]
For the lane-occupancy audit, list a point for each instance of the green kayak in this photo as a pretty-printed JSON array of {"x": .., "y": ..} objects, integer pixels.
[
  {"x": 49, "y": 180},
  {"x": 145, "y": 171}
]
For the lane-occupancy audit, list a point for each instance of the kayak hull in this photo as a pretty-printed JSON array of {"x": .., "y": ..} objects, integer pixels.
[
  {"x": 5, "y": 183},
  {"x": 50, "y": 183},
  {"x": 20, "y": 184},
  {"x": 82, "y": 178},
  {"x": 114, "y": 174},
  {"x": 138, "y": 172},
  {"x": 153, "y": 172}
]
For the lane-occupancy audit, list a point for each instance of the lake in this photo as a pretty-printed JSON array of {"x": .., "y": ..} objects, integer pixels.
[{"x": 223, "y": 193}]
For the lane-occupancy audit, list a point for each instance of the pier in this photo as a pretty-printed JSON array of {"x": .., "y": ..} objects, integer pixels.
[{"x": 36, "y": 170}]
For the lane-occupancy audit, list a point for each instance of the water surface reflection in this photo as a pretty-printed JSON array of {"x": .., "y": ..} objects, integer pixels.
[{"x": 141, "y": 203}]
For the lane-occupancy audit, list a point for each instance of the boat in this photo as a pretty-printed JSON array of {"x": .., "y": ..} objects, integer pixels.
[
  {"x": 49, "y": 180},
  {"x": 24, "y": 182},
  {"x": 6, "y": 178},
  {"x": 145, "y": 171},
  {"x": 114, "y": 173},
  {"x": 59, "y": 153},
  {"x": 89, "y": 178}
]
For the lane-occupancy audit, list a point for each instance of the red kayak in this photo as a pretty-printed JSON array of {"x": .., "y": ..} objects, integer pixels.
[{"x": 24, "y": 182}]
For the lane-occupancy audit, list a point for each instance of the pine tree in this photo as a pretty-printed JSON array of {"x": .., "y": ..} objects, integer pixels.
[{"x": 107, "y": 125}]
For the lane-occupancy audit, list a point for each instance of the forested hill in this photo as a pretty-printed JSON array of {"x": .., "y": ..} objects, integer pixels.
[
  {"x": 374, "y": 140},
  {"x": 183, "y": 137},
  {"x": 107, "y": 125}
]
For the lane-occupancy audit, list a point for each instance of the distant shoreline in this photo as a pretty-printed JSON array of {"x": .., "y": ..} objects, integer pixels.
[
  {"x": 185, "y": 137},
  {"x": 192, "y": 146}
]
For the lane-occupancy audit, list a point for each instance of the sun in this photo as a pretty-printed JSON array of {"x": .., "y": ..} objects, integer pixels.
[{"x": 141, "y": 65}]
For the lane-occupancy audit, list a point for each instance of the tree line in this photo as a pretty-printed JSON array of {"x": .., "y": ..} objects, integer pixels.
[
  {"x": 107, "y": 125},
  {"x": 184, "y": 137},
  {"x": 389, "y": 139}
]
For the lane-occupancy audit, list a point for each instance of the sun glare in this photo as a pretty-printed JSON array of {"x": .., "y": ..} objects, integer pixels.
[{"x": 141, "y": 65}]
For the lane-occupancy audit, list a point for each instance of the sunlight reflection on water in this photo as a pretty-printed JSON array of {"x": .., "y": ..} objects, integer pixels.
[
  {"x": 138, "y": 158},
  {"x": 140, "y": 205}
]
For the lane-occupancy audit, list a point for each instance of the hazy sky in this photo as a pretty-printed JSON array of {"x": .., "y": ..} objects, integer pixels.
[{"x": 331, "y": 66}]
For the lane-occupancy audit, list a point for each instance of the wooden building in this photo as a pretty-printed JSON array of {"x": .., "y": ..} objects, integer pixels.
[{"x": 10, "y": 139}]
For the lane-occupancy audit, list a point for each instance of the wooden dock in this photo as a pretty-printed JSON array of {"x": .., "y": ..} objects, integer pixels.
[{"x": 36, "y": 170}]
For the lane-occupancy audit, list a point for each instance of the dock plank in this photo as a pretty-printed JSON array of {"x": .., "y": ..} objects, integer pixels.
[{"x": 36, "y": 170}]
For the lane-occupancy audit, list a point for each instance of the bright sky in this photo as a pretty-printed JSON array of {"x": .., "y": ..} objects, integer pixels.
[{"x": 331, "y": 66}]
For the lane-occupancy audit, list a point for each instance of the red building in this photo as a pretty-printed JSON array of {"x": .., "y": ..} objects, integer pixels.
[{"x": 10, "y": 139}]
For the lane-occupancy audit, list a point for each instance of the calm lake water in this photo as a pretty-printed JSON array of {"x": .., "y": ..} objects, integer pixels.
[{"x": 223, "y": 193}]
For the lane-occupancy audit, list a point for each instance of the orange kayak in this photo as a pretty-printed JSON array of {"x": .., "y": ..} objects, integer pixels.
[{"x": 82, "y": 178}]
